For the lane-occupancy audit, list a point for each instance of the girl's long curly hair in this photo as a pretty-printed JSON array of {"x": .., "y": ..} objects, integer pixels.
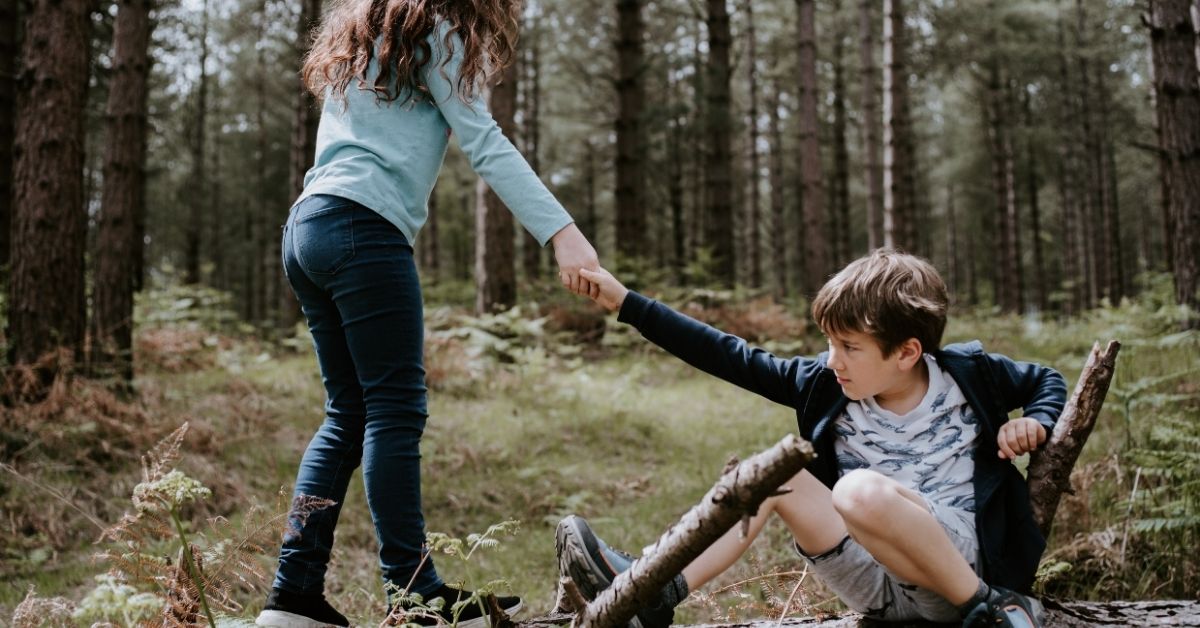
[{"x": 345, "y": 43}]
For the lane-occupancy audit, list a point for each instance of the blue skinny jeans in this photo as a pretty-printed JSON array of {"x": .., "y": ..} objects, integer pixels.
[{"x": 353, "y": 273}]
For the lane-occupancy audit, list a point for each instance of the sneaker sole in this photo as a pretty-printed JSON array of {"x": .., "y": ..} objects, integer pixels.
[
  {"x": 576, "y": 561},
  {"x": 284, "y": 619}
]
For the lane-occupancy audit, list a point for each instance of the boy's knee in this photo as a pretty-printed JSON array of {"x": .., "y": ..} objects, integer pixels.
[{"x": 863, "y": 496}]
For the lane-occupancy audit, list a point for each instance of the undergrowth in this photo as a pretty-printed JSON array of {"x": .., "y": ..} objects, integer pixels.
[{"x": 536, "y": 413}]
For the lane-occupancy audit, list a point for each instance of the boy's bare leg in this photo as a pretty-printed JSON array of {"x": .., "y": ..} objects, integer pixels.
[
  {"x": 809, "y": 514},
  {"x": 893, "y": 524}
]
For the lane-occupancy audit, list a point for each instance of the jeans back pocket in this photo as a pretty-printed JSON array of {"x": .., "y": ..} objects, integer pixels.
[{"x": 323, "y": 236}]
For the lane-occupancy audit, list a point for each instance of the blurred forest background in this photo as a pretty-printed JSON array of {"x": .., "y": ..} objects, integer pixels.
[{"x": 725, "y": 155}]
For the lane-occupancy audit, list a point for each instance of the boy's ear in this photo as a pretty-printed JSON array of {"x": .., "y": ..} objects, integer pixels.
[{"x": 910, "y": 353}]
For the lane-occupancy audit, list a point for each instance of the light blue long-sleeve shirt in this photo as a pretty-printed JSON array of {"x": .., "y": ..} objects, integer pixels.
[{"x": 386, "y": 156}]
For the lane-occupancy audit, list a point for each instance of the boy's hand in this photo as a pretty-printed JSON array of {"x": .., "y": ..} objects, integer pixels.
[
  {"x": 1020, "y": 436},
  {"x": 611, "y": 293}
]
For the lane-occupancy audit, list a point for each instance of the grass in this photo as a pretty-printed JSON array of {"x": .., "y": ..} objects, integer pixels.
[{"x": 623, "y": 435}]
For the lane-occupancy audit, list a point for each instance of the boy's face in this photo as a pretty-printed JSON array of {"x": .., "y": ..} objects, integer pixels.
[{"x": 862, "y": 370}]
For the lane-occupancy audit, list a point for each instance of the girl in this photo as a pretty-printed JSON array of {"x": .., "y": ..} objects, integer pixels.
[{"x": 397, "y": 78}]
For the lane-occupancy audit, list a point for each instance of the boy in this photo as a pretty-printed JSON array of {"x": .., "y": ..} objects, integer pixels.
[{"x": 912, "y": 508}]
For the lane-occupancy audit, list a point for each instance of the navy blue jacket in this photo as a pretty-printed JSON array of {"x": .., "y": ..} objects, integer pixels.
[{"x": 992, "y": 384}]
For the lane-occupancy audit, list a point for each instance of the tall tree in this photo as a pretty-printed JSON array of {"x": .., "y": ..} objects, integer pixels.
[
  {"x": 871, "y": 134},
  {"x": 840, "y": 194},
  {"x": 754, "y": 199},
  {"x": 124, "y": 196},
  {"x": 630, "y": 209},
  {"x": 778, "y": 224},
  {"x": 531, "y": 87},
  {"x": 495, "y": 265},
  {"x": 199, "y": 176},
  {"x": 898, "y": 178},
  {"x": 1072, "y": 249},
  {"x": 816, "y": 249},
  {"x": 46, "y": 292},
  {"x": 9, "y": 10},
  {"x": 1177, "y": 93},
  {"x": 1033, "y": 183},
  {"x": 718, "y": 179}
]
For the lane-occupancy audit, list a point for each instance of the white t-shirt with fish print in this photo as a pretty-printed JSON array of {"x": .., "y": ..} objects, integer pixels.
[{"x": 931, "y": 449}]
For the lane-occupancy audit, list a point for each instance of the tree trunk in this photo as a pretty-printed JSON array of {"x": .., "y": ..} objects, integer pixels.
[
  {"x": 268, "y": 267},
  {"x": 9, "y": 16},
  {"x": 1012, "y": 224},
  {"x": 531, "y": 146},
  {"x": 894, "y": 199},
  {"x": 1089, "y": 208},
  {"x": 495, "y": 264},
  {"x": 840, "y": 199},
  {"x": 590, "y": 218},
  {"x": 675, "y": 198},
  {"x": 736, "y": 496},
  {"x": 1033, "y": 183},
  {"x": 1001, "y": 187},
  {"x": 952, "y": 273},
  {"x": 754, "y": 202},
  {"x": 1050, "y": 468},
  {"x": 778, "y": 207},
  {"x": 812, "y": 195},
  {"x": 1071, "y": 252},
  {"x": 124, "y": 195},
  {"x": 870, "y": 112},
  {"x": 199, "y": 182},
  {"x": 630, "y": 209},
  {"x": 718, "y": 179},
  {"x": 1111, "y": 235},
  {"x": 1177, "y": 90},
  {"x": 46, "y": 292},
  {"x": 430, "y": 254}
]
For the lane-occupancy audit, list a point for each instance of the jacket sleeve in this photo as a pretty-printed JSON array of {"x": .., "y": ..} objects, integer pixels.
[
  {"x": 717, "y": 353},
  {"x": 1040, "y": 391}
]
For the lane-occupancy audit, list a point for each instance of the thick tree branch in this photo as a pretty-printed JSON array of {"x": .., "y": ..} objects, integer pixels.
[{"x": 1050, "y": 469}]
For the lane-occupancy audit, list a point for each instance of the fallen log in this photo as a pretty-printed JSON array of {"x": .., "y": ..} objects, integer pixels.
[
  {"x": 1059, "y": 614},
  {"x": 736, "y": 496}
]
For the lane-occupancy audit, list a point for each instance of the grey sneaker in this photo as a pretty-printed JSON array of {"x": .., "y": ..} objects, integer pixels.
[
  {"x": 593, "y": 566},
  {"x": 1003, "y": 609}
]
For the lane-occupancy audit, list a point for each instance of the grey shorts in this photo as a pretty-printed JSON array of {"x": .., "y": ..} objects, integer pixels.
[{"x": 869, "y": 588}]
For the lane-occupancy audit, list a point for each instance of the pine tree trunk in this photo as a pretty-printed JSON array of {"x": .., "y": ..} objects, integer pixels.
[
  {"x": 1033, "y": 183},
  {"x": 630, "y": 209},
  {"x": 841, "y": 158},
  {"x": 1089, "y": 208},
  {"x": 1070, "y": 256},
  {"x": 1012, "y": 225},
  {"x": 753, "y": 245},
  {"x": 591, "y": 220},
  {"x": 9, "y": 15},
  {"x": 952, "y": 274},
  {"x": 428, "y": 243},
  {"x": 675, "y": 196},
  {"x": 891, "y": 153},
  {"x": 1177, "y": 89},
  {"x": 261, "y": 253},
  {"x": 49, "y": 225},
  {"x": 816, "y": 249},
  {"x": 199, "y": 182},
  {"x": 871, "y": 132},
  {"x": 495, "y": 263},
  {"x": 778, "y": 207},
  {"x": 531, "y": 146},
  {"x": 1112, "y": 221},
  {"x": 999, "y": 149},
  {"x": 718, "y": 178},
  {"x": 124, "y": 195}
]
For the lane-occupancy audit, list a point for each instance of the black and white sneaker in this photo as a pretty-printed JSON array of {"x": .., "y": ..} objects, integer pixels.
[
  {"x": 1005, "y": 609},
  {"x": 297, "y": 610}
]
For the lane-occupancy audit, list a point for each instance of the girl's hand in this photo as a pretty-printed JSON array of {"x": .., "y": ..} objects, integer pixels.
[
  {"x": 609, "y": 293},
  {"x": 1020, "y": 436},
  {"x": 573, "y": 253}
]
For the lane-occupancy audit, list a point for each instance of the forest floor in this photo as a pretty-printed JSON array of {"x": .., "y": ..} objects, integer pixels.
[{"x": 532, "y": 424}]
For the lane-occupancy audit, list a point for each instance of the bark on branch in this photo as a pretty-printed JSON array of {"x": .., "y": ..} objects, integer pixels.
[
  {"x": 1050, "y": 469},
  {"x": 736, "y": 496}
]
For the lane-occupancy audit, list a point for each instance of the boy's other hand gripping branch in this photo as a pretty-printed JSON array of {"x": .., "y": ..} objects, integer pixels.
[
  {"x": 610, "y": 293},
  {"x": 1020, "y": 436}
]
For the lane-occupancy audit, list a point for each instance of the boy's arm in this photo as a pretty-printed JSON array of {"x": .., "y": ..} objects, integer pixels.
[
  {"x": 716, "y": 352},
  {"x": 1040, "y": 391}
]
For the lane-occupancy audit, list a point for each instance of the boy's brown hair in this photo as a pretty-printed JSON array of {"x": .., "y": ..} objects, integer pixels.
[{"x": 890, "y": 295}]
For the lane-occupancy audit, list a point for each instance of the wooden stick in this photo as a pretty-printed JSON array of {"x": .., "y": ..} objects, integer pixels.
[
  {"x": 739, "y": 493},
  {"x": 1050, "y": 467}
]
